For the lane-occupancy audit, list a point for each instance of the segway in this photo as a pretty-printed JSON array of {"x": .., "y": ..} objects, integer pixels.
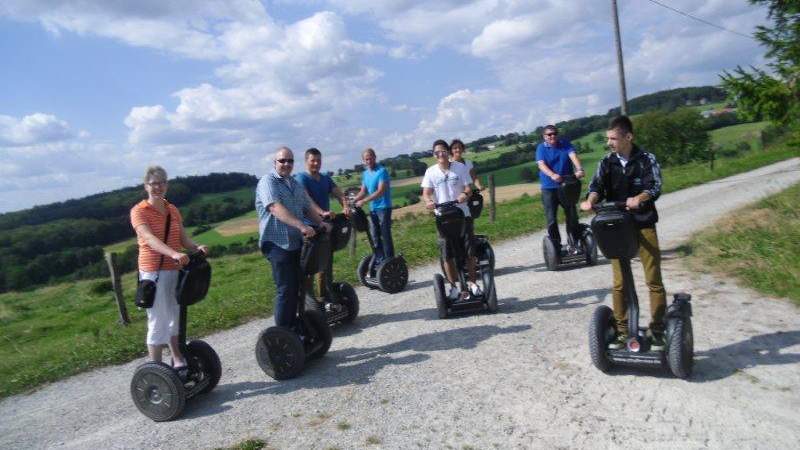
[
  {"x": 450, "y": 222},
  {"x": 391, "y": 274},
  {"x": 617, "y": 237},
  {"x": 158, "y": 390},
  {"x": 340, "y": 304},
  {"x": 282, "y": 351},
  {"x": 482, "y": 247},
  {"x": 584, "y": 251}
]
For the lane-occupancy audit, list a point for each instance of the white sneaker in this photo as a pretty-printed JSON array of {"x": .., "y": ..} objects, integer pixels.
[
  {"x": 475, "y": 289},
  {"x": 454, "y": 293}
]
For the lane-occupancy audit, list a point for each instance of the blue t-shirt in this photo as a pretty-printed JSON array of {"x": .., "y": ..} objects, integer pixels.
[
  {"x": 370, "y": 179},
  {"x": 319, "y": 190},
  {"x": 557, "y": 159}
]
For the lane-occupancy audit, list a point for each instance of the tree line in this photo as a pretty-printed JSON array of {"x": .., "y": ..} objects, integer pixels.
[{"x": 66, "y": 239}]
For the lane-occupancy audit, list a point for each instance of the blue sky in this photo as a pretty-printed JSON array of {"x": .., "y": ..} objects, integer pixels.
[{"x": 91, "y": 91}]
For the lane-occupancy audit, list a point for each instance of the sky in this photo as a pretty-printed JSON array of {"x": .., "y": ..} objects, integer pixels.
[{"x": 94, "y": 91}]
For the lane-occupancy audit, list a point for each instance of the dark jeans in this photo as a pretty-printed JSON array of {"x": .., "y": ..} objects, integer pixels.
[
  {"x": 550, "y": 200},
  {"x": 381, "y": 229},
  {"x": 286, "y": 274}
]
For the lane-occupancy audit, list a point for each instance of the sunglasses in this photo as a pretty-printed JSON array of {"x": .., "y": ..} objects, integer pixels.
[
  {"x": 285, "y": 161},
  {"x": 551, "y": 134}
]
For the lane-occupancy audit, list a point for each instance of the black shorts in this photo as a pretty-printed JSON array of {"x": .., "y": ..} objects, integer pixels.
[{"x": 448, "y": 252}]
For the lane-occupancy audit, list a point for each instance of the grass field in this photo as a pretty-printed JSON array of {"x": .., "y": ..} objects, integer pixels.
[
  {"x": 746, "y": 132},
  {"x": 758, "y": 245},
  {"x": 56, "y": 331}
]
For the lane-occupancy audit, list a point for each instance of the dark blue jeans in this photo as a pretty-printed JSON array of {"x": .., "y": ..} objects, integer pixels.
[
  {"x": 550, "y": 200},
  {"x": 286, "y": 274},
  {"x": 381, "y": 229}
]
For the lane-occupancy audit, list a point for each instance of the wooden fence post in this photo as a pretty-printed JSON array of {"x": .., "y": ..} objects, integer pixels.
[
  {"x": 111, "y": 260},
  {"x": 711, "y": 159},
  {"x": 492, "y": 209}
]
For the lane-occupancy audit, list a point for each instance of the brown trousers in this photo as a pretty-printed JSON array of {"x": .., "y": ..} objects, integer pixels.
[
  {"x": 650, "y": 254},
  {"x": 320, "y": 281}
]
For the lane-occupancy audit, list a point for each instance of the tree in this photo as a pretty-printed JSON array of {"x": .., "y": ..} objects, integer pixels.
[
  {"x": 775, "y": 97},
  {"x": 674, "y": 138}
]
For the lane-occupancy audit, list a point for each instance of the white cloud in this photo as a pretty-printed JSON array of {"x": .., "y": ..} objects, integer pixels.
[{"x": 32, "y": 129}]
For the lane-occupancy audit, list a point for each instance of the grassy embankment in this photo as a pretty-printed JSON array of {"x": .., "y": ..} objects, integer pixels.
[
  {"x": 758, "y": 245},
  {"x": 56, "y": 331}
]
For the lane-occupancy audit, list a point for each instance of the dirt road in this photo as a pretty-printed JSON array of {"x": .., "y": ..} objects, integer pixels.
[{"x": 521, "y": 378}]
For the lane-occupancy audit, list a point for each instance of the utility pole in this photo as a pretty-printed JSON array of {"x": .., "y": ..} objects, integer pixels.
[{"x": 620, "y": 66}]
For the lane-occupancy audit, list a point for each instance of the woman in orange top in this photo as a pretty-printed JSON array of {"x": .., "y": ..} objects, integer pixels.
[{"x": 160, "y": 261}]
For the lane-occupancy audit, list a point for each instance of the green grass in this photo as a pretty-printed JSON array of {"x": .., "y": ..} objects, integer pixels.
[
  {"x": 746, "y": 132},
  {"x": 56, "y": 331},
  {"x": 758, "y": 245}
]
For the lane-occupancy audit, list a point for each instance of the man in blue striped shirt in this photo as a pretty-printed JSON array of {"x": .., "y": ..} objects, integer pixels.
[{"x": 282, "y": 204}]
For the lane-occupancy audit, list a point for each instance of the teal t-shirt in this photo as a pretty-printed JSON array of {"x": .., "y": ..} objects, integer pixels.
[{"x": 370, "y": 179}]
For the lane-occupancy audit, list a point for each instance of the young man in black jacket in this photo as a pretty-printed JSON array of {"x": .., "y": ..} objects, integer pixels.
[{"x": 633, "y": 175}]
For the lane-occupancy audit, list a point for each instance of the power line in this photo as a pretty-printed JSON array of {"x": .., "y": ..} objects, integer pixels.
[{"x": 699, "y": 19}]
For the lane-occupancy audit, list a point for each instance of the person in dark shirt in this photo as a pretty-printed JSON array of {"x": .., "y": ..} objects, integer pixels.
[
  {"x": 320, "y": 187},
  {"x": 631, "y": 175}
]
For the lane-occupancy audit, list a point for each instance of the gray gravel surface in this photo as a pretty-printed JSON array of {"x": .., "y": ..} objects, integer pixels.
[{"x": 521, "y": 378}]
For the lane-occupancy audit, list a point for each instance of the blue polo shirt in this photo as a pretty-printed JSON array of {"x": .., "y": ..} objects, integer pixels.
[
  {"x": 557, "y": 159},
  {"x": 370, "y": 179},
  {"x": 272, "y": 188},
  {"x": 319, "y": 190}
]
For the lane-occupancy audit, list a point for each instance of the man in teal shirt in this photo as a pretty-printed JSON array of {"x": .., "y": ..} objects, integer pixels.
[{"x": 375, "y": 188}]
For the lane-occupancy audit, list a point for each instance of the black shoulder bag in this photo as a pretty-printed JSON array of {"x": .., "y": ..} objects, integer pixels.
[{"x": 146, "y": 289}]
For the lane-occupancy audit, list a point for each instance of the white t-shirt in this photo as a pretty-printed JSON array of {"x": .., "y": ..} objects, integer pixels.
[
  {"x": 448, "y": 184},
  {"x": 469, "y": 165}
]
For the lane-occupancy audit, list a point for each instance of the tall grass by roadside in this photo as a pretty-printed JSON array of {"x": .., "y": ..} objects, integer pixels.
[
  {"x": 57, "y": 331},
  {"x": 758, "y": 245}
]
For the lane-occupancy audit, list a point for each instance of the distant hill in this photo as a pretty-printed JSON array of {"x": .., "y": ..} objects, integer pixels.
[{"x": 66, "y": 238}]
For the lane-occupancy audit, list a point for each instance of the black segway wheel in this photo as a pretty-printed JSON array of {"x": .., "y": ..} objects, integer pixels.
[
  {"x": 204, "y": 360},
  {"x": 363, "y": 270},
  {"x": 491, "y": 301},
  {"x": 280, "y": 353},
  {"x": 680, "y": 347},
  {"x": 590, "y": 247},
  {"x": 601, "y": 332},
  {"x": 349, "y": 300},
  {"x": 158, "y": 392},
  {"x": 318, "y": 334},
  {"x": 439, "y": 293},
  {"x": 393, "y": 275},
  {"x": 552, "y": 255}
]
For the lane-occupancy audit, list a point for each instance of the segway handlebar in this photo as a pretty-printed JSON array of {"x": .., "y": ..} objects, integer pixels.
[{"x": 609, "y": 206}]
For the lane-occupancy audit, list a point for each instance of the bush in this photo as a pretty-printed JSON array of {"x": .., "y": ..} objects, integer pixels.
[
  {"x": 528, "y": 174},
  {"x": 101, "y": 287},
  {"x": 674, "y": 138},
  {"x": 202, "y": 228}
]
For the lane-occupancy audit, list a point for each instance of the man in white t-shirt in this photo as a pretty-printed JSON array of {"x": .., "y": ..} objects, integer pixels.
[{"x": 448, "y": 181}]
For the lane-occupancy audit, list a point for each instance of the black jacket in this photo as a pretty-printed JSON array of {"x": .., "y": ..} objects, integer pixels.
[{"x": 642, "y": 173}]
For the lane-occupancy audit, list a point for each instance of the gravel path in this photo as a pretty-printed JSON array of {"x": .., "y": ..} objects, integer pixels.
[{"x": 522, "y": 378}]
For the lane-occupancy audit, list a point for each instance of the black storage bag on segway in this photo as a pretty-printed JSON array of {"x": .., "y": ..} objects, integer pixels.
[
  {"x": 360, "y": 220},
  {"x": 615, "y": 233},
  {"x": 316, "y": 254},
  {"x": 475, "y": 204},
  {"x": 194, "y": 280},
  {"x": 340, "y": 234},
  {"x": 569, "y": 192},
  {"x": 450, "y": 222}
]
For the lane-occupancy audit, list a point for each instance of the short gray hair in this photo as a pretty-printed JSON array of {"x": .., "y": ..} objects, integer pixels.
[{"x": 156, "y": 172}]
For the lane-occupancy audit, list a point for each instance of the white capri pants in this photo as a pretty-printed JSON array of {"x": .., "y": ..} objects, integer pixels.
[{"x": 163, "y": 318}]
